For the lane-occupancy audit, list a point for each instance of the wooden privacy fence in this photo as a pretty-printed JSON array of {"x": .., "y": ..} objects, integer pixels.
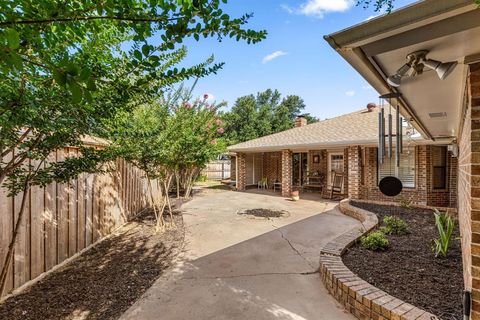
[
  {"x": 217, "y": 170},
  {"x": 62, "y": 219}
]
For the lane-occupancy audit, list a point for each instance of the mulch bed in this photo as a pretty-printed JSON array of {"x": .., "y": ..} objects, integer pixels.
[
  {"x": 264, "y": 213},
  {"x": 106, "y": 280},
  {"x": 408, "y": 269}
]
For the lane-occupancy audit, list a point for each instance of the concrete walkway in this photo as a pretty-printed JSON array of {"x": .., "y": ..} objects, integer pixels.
[{"x": 234, "y": 267}]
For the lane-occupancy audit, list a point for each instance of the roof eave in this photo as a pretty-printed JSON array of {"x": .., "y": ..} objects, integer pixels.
[
  {"x": 348, "y": 42},
  {"x": 401, "y": 20},
  {"x": 333, "y": 145}
]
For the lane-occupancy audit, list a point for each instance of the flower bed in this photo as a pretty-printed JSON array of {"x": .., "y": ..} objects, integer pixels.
[{"x": 408, "y": 269}]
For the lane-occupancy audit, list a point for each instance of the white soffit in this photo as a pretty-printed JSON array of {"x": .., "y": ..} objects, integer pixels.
[
  {"x": 449, "y": 29},
  {"x": 426, "y": 93}
]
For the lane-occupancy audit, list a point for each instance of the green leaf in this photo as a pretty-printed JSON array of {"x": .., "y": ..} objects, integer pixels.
[
  {"x": 16, "y": 61},
  {"x": 145, "y": 49},
  {"x": 137, "y": 54},
  {"x": 13, "y": 38},
  {"x": 59, "y": 77},
  {"x": 76, "y": 90},
  {"x": 85, "y": 74},
  {"x": 91, "y": 85},
  {"x": 72, "y": 69}
]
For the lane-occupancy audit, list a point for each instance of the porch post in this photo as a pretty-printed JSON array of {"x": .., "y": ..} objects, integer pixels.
[
  {"x": 241, "y": 171},
  {"x": 354, "y": 172},
  {"x": 286, "y": 173}
]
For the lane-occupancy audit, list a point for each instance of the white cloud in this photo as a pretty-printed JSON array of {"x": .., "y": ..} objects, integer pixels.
[
  {"x": 318, "y": 8},
  {"x": 273, "y": 55},
  {"x": 287, "y": 8},
  {"x": 367, "y": 87},
  {"x": 350, "y": 93}
]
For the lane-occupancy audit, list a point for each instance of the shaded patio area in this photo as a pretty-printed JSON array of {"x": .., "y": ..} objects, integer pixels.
[{"x": 238, "y": 267}]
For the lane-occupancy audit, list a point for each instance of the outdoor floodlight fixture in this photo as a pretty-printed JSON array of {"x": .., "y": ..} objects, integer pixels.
[
  {"x": 417, "y": 61},
  {"x": 396, "y": 79},
  {"x": 443, "y": 69}
]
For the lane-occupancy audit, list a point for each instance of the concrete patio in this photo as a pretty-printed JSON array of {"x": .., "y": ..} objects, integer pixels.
[{"x": 237, "y": 267}]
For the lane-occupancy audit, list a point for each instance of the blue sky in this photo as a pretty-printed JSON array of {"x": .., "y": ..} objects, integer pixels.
[{"x": 295, "y": 59}]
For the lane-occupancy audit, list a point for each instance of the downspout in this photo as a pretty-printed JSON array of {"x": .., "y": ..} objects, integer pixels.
[{"x": 467, "y": 300}]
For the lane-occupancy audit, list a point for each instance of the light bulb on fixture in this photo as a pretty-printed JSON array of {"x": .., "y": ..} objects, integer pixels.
[
  {"x": 396, "y": 79},
  {"x": 443, "y": 69}
]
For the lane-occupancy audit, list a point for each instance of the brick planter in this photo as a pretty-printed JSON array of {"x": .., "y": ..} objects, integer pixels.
[{"x": 360, "y": 298}]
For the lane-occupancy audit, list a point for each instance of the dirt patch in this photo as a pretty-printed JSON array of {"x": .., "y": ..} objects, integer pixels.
[
  {"x": 264, "y": 213},
  {"x": 408, "y": 269},
  {"x": 105, "y": 281}
]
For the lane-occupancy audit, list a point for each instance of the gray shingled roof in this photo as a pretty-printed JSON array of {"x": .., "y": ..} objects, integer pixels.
[{"x": 359, "y": 128}]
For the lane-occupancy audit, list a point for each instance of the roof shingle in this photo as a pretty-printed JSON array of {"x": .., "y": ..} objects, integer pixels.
[{"x": 360, "y": 127}]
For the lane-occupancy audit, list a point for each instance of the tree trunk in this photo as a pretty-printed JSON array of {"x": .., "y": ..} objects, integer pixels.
[
  {"x": 177, "y": 178},
  {"x": 166, "y": 185},
  {"x": 158, "y": 215}
]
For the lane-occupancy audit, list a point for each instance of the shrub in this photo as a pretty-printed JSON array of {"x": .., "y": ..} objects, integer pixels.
[
  {"x": 445, "y": 226},
  {"x": 394, "y": 225},
  {"x": 405, "y": 203},
  {"x": 202, "y": 178},
  {"x": 375, "y": 241}
]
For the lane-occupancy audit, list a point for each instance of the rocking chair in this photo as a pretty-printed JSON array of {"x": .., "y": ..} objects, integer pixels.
[{"x": 335, "y": 186}]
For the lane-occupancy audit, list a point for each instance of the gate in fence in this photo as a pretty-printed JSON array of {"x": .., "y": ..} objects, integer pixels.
[{"x": 218, "y": 170}]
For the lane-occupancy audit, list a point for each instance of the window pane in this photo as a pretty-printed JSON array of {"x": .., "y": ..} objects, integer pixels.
[
  {"x": 406, "y": 171},
  {"x": 439, "y": 165}
]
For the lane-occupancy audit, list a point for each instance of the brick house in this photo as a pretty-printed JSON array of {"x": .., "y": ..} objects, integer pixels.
[
  {"x": 306, "y": 155},
  {"x": 443, "y": 102}
]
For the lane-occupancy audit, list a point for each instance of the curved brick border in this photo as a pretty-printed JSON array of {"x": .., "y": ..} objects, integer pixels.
[{"x": 360, "y": 298}]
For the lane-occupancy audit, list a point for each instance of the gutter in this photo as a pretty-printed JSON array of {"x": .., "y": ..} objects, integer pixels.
[{"x": 337, "y": 145}]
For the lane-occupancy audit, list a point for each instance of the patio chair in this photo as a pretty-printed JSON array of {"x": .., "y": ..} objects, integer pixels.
[
  {"x": 277, "y": 185},
  {"x": 262, "y": 183},
  {"x": 335, "y": 186}
]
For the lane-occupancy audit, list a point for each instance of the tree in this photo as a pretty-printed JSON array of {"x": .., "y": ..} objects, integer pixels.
[
  {"x": 69, "y": 67},
  {"x": 193, "y": 138},
  {"x": 266, "y": 113},
  {"x": 171, "y": 138}
]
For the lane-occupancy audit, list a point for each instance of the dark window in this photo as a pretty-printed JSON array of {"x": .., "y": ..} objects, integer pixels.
[{"x": 439, "y": 164}]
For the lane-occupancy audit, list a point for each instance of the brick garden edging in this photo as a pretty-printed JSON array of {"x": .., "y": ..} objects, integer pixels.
[{"x": 360, "y": 298}]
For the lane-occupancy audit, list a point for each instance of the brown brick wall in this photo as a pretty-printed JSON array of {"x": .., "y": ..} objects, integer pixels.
[
  {"x": 417, "y": 195},
  {"x": 272, "y": 167},
  {"x": 346, "y": 170},
  {"x": 242, "y": 171},
  {"x": 233, "y": 168},
  {"x": 469, "y": 188},
  {"x": 354, "y": 172},
  {"x": 453, "y": 181},
  {"x": 318, "y": 167},
  {"x": 447, "y": 197},
  {"x": 422, "y": 194},
  {"x": 286, "y": 173}
]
